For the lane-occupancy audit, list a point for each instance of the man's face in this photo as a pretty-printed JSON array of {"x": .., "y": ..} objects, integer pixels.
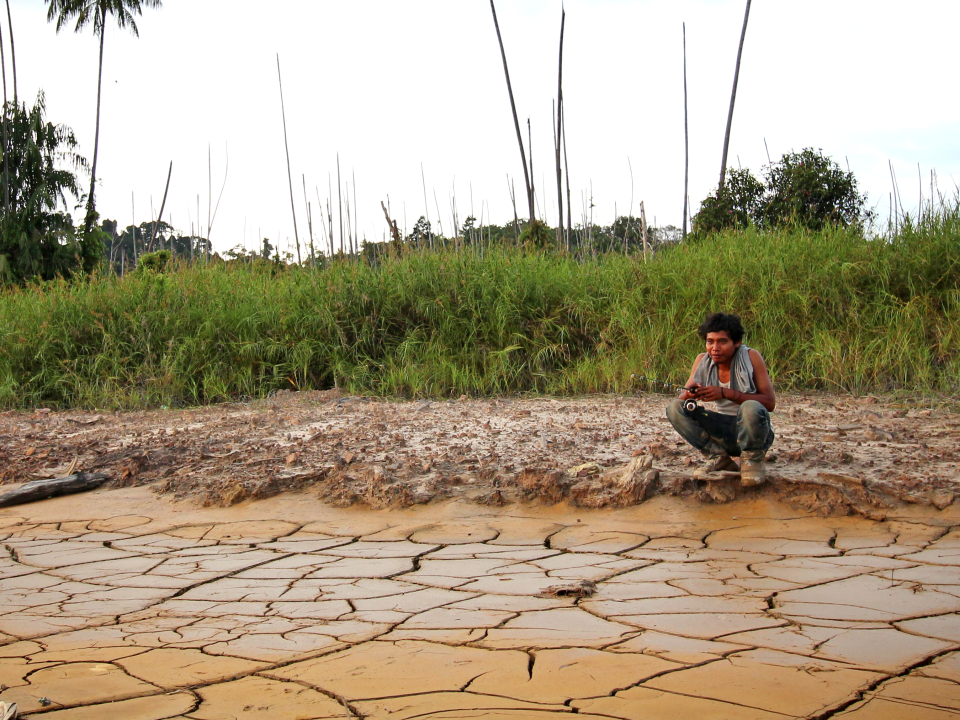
[{"x": 720, "y": 347}]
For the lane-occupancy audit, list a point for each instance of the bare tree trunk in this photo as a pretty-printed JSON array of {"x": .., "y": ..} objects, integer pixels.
[
  {"x": 533, "y": 189},
  {"x": 566, "y": 170},
  {"x": 6, "y": 164},
  {"x": 340, "y": 200},
  {"x": 426, "y": 206},
  {"x": 153, "y": 235},
  {"x": 516, "y": 122},
  {"x": 733, "y": 99},
  {"x": 559, "y": 134},
  {"x": 313, "y": 255},
  {"x": 13, "y": 52},
  {"x": 193, "y": 240},
  {"x": 356, "y": 217},
  {"x": 643, "y": 221},
  {"x": 513, "y": 201},
  {"x": 286, "y": 145},
  {"x": 91, "y": 201},
  {"x": 133, "y": 227},
  {"x": 686, "y": 137},
  {"x": 206, "y": 246}
]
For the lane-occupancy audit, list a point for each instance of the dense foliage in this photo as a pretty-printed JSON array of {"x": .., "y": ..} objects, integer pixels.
[
  {"x": 827, "y": 309},
  {"x": 805, "y": 188},
  {"x": 38, "y": 175}
]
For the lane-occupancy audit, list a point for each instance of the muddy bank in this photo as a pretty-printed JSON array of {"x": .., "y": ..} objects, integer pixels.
[{"x": 833, "y": 454}]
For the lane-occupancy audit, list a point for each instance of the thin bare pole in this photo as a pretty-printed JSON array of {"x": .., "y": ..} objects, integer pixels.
[
  {"x": 286, "y": 145},
  {"x": 13, "y": 52},
  {"x": 211, "y": 219},
  {"x": 426, "y": 205},
  {"x": 733, "y": 98},
  {"x": 686, "y": 137},
  {"x": 340, "y": 200},
  {"x": 356, "y": 217},
  {"x": 323, "y": 220},
  {"x": 513, "y": 201},
  {"x": 643, "y": 221},
  {"x": 313, "y": 254},
  {"x": 153, "y": 235},
  {"x": 516, "y": 122},
  {"x": 626, "y": 229},
  {"x": 206, "y": 249},
  {"x": 133, "y": 219},
  {"x": 349, "y": 222},
  {"x": 566, "y": 170},
  {"x": 533, "y": 190},
  {"x": 6, "y": 165},
  {"x": 559, "y": 128}
]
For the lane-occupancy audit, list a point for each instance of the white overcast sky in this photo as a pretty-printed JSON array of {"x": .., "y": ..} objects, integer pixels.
[{"x": 392, "y": 85}]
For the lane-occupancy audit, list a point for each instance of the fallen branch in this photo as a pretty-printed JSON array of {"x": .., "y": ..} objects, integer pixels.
[{"x": 44, "y": 489}]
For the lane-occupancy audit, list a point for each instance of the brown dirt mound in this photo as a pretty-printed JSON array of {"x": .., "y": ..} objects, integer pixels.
[{"x": 833, "y": 454}]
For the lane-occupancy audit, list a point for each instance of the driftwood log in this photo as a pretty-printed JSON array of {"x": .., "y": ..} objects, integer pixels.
[{"x": 43, "y": 489}]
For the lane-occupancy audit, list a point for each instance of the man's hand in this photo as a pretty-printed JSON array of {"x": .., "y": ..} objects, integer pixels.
[
  {"x": 711, "y": 393},
  {"x": 691, "y": 392}
]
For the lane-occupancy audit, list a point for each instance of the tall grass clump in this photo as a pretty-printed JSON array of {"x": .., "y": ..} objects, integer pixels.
[{"x": 828, "y": 310}]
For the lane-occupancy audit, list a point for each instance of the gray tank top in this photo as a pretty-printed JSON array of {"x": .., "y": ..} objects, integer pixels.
[{"x": 726, "y": 407}]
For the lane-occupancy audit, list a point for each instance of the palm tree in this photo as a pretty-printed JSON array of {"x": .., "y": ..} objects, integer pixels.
[{"x": 95, "y": 12}]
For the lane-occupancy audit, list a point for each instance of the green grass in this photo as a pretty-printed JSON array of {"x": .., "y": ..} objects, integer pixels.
[{"x": 827, "y": 310}]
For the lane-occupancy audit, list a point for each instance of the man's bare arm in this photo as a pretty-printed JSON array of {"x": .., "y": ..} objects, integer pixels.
[{"x": 761, "y": 378}]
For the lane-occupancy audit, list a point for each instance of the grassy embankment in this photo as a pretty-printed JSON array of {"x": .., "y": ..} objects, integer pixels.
[{"x": 828, "y": 311}]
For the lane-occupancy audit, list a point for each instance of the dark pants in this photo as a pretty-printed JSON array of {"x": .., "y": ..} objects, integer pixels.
[{"x": 749, "y": 432}]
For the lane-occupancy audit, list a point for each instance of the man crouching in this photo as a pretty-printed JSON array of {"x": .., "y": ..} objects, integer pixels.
[{"x": 734, "y": 378}]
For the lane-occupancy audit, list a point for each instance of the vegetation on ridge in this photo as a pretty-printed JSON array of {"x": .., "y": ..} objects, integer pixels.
[{"x": 828, "y": 309}]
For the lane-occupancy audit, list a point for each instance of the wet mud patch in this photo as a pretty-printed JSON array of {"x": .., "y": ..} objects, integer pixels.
[{"x": 834, "y": 455}]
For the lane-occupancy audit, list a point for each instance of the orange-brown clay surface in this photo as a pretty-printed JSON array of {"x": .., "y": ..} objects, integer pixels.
[{"x": 125, "y": 603}]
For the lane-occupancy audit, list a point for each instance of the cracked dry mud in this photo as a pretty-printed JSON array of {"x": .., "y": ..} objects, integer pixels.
[
  {"x": 391, "y": 583},
  {"x": 126, "y": 605}
]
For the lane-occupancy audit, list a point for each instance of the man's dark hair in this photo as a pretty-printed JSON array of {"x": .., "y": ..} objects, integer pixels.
[{"x": 722, "y": 322}]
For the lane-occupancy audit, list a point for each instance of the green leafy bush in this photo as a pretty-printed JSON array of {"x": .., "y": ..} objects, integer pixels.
[{"x": 806, "y": 189}]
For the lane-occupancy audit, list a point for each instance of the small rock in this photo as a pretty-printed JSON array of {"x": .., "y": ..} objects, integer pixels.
[
  {"x": 721, "y": 492},
  {"x": 585, "y": 470},
  {"x": 496, "y": 498},
  {"x": 942, "y": 499},
  {"x": 579, "y": 589},
  {"x": 233, "y": 495}
]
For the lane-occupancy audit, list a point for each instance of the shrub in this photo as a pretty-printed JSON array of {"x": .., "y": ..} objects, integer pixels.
[{"x": 805, "y": 188}]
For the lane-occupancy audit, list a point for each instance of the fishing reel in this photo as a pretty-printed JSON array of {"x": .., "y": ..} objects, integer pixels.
[{"x": 689, "y": 404}]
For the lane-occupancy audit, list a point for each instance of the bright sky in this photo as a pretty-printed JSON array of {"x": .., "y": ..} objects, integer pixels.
[{"x": 391, "y": 86}]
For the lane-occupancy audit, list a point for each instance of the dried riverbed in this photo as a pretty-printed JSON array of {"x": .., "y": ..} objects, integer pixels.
[
  {"x": 314, "y": 556},
  {"x": 833, "y": 454},
  {"x": 122, "y": 604}
]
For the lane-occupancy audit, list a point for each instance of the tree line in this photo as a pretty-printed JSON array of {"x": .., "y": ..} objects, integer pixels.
[{"x": 43, "y": 174}]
